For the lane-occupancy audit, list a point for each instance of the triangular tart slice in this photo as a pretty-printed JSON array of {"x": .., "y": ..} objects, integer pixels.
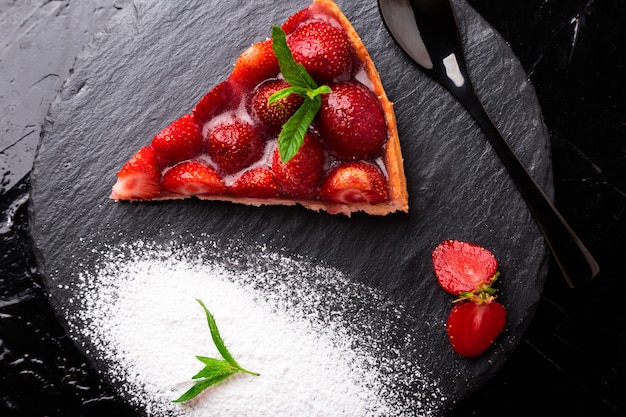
[{"x": 226, "y": 148}]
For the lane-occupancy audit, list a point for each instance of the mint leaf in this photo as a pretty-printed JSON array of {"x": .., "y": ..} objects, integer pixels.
[
  {"x": 200, "y": 386},
  {"x": 286, "y": 92},
  {"x": 215, "y": 370},
  {"x": 219, "y": 343},
  {"x": 217, "y": 338},
  {"x": 292, "y": 134},
  {"x": 293, "y": 72},
  {"x": 324, "y": 89},
  {"x": 213, "y": 367}
]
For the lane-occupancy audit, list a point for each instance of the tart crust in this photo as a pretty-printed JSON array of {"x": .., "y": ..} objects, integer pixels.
[{"x": 394, "y": 163}]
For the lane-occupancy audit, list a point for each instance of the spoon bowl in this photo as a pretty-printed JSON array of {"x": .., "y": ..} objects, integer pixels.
[{"x": 428, "y": 32}]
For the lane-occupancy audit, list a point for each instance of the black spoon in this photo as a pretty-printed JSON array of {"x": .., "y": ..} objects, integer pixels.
[{"x": 428, "y": 32}]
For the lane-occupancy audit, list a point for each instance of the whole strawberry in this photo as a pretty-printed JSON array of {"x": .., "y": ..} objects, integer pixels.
[
  {"x": 355, "y": 182},
  {"x": 351, "y": 122},
  {"x": 474, "y": 325},
  {"x": 464, "y": 267},
  {"x": 274, "y": 115},
  {"x": 323, "y": 50},
  {"x": 255, "y": 183},
  {"x": 179, "y": 141},
  {"x": 225, "y": 96},
  {"x": 295, "y": 20},
  {"x": 193, "y": 178},
  {"x": 255, "y": 64},
  {"x": 301, "y": 175},
  {"x": 234, "y": 145}
]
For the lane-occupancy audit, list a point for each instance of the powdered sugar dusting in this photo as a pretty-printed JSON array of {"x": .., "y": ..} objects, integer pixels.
[{"x": 324, "y": 345}]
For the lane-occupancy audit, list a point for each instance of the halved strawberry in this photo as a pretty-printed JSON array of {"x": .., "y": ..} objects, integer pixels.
[
  {"x": 223, "y": 97},
  {"x": 473, "y": 326},
  {"x": 139, "y": 178},
  {"x": 255, "y": 64},
  {"x": 193, "y": 178},
  {"x": 323, "y": 50},
  {"x": 301, "y": 175},
  {"x": 464, "y": 267},
  {"x": 179, "y": 141},
  {"x": 274, "y": 115},
  {"x": 351, "y": 122},
  {"x": 234, "y": 145},
  {"x": 255, "y": 183},
  {"x": 355, "y": 182}
]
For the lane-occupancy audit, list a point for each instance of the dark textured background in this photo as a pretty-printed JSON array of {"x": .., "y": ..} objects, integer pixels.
[{"x": 571, "y": 360}]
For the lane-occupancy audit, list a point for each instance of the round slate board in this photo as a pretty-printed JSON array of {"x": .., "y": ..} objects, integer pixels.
[{"x": 154, "y": 60}]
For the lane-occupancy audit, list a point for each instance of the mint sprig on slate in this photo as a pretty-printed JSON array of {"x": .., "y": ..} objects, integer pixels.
[
  {"x": 215, "y": 370},
  {"x": 292, "y": 133}
]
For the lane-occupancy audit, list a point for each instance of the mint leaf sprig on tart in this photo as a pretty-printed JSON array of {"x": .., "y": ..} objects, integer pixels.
[{"x": 291, "y": 136}]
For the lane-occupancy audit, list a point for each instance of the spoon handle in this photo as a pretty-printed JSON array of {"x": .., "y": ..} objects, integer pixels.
[
  {"x": 431, "y": 38},
  {"x": 439, "y": 30},
  {"x": 576, "y": 263}
]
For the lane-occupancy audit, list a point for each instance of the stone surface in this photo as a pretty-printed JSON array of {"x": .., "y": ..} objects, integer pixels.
[
  {"x": 35, "y": 58},
  {"x": 152, "y": 62}
]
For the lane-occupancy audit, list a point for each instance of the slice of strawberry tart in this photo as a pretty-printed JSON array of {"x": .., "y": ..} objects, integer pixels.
[{"x": 302, "y": 119}]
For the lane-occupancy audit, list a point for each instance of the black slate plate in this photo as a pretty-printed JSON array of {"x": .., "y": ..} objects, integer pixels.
[{"x": 154, "y": 60}]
